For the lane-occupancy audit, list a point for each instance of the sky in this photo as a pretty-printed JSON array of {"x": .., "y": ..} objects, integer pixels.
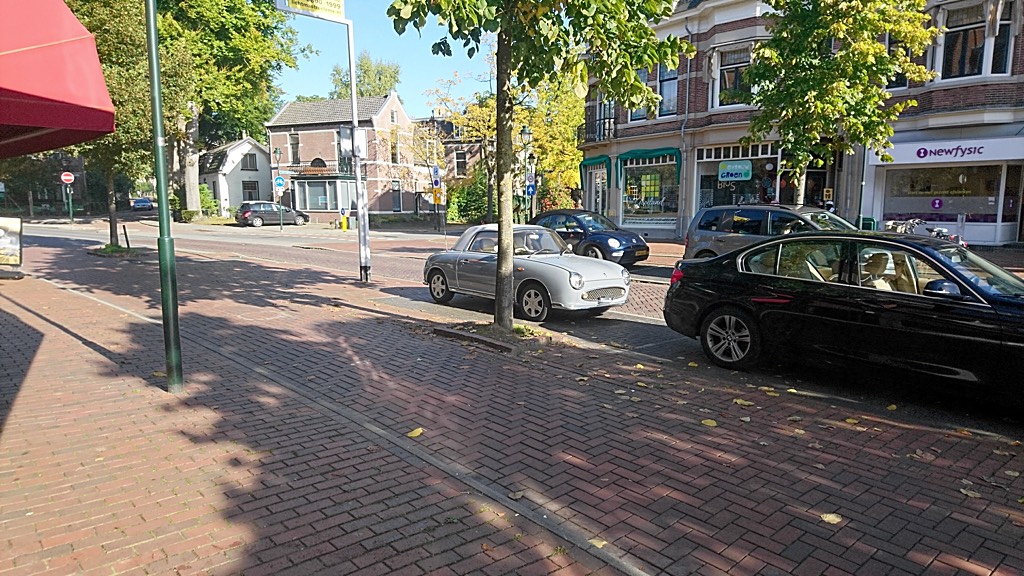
[{"x": 374, "y": 32}]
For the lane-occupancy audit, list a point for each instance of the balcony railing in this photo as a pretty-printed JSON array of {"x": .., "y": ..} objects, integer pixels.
[
  {"x": 342, "y": 167},
  {"x": 596, "y": 131}
]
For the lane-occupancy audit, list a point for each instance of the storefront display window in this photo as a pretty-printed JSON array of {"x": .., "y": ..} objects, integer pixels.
[
  {"x": 325, "y": 195},
  {"x": 750, "y": 181},
  {"x": 651, "y": 189},
  {"x": 941, "y": 194}
]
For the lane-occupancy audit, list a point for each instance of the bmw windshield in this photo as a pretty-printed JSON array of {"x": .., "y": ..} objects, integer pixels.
[
  {"x": 985, "y": 276},
  {"x": 826, "y": 220}
]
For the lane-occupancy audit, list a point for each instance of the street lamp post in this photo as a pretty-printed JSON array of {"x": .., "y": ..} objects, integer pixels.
[
  {"x": 278, "y": 193},
  {"x": 526, "y": 135},
  {"x": 531, "y": 163}
]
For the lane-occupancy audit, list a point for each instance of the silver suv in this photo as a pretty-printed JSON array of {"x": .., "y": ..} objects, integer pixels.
[{"x": 719, "y": 229}]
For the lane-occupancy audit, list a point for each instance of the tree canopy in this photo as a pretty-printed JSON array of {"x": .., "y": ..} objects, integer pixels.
[
  {"x": 544, "y": 40},
  {"x": 373, "y": 77},
  {"x": 820, "y": 80}
]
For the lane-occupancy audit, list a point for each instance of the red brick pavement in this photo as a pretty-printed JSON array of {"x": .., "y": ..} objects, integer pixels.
[{"x": 288, "y": 452}]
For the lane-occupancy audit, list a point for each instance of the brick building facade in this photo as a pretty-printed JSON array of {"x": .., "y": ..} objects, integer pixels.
[{"x": 651, "y": 170}]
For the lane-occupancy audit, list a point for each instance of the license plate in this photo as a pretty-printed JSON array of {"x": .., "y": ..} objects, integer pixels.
[{"x": 642, "y": 252}]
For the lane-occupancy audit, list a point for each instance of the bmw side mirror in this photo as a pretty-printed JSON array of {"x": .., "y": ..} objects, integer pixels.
[{"x": 942, "y": 289}]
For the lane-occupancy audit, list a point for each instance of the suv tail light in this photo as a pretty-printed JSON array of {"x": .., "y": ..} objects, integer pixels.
[{"x": 247, "y": 213}]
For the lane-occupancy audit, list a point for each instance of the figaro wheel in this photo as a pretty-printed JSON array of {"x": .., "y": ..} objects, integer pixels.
[
  {"x": 439, "y": 289},
  {"x": 534, "y": 302}
]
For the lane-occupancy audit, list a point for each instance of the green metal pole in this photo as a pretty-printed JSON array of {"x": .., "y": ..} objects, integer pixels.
[
  {"x": 71, "y": 204},
  {"x": 165, "y": 244}
]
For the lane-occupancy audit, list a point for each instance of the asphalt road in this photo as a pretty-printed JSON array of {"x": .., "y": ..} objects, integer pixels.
[{"x": 636, "y": 327}]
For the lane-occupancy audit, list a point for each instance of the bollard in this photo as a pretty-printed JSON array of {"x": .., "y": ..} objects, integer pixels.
[{"x": 344, "y": 224}]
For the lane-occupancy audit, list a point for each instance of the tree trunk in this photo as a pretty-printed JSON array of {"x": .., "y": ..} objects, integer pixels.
[
  {"x": 799, "y": 188},
  {"x": 504, "y": 296},
  {"x": 112, "y": 208}
]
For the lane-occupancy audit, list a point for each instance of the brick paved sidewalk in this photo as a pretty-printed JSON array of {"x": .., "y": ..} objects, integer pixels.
[{"x": 289, "y": 452}]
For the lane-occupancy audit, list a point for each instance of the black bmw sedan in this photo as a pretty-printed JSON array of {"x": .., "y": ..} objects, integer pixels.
[
  {"x": 909, "y": 302},
  {"x": 591, "y": 234}
]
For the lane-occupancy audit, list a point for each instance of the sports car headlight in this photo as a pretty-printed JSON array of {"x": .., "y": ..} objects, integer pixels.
[
  {"x": 625, "y": 276},
  {"x": 576, "y": 280},
  {"x": 614, "y": 243}
]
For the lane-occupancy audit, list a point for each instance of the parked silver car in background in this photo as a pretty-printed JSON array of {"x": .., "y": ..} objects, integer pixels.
[
  {"x": 547, "y": 275},
  {"x": 719, "y": 229}
]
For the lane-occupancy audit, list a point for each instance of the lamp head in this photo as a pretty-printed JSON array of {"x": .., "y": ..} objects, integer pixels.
[{"x": 526, "y": 134}]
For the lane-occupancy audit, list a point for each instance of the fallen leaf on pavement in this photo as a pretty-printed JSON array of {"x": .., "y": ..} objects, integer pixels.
[
  {"x": 1014, "y": 443},
  {"x": 640, "y": 366},
  {"x": 516, "y": 495},
  {"x": 582, "y": 378},
  {"x": 772, "y": 393},
  {"x": 765, "y": 388},
  {"x": 799, "y": 432},
  {"x": 852, "y": 421},
  {"x": 970, "y": 493},
  {"x": 745, "y": 419},
  {"x": 709, "y": 422},
  {"x": 692, "y": 364},
  {"x": 794, "y": 418},
  {"x": 742, "y": 402},
  {"x": 966, "y": 482},
  {"x": 415, "y": 433},
  {"x": 159, "y": 374},
  {"x": 1003, "y": 453},
  {"x": 964, "y": 432},
  {"x": 598, "y": 543},
  {"x": 1011, "y": 473},
  {"x": 642, "y": 385},
  {"x": 890, "y": 407},
  {"x": 832, "y": 518},
  {"x": 634, "y": 398},
  {"x": 815, "y": 445}
]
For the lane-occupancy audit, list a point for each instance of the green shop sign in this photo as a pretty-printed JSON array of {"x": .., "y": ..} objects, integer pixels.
[{"x": 734, "y": 170}]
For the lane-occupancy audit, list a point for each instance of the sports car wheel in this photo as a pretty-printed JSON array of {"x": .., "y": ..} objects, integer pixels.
[
  {"x": 705, "y": 254},
  {"x": 439, "y": 289},
  {"x": 257, "y": 222},
  {"x": 593, "y": 252},
  {"x": 730, "y": 338},
  {"x": 300, "y": 221},
  {"x": 534, "y": 302}
]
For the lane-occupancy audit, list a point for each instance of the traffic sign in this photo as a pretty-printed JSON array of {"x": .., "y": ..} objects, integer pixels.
[
  {"x": 529, "y": 178},
  {"x": 67, "y": 177},
  {"x": 435, "y": 173},
  {"x": 279, "y": 183},
  {"x": 531, "y": 189},
  {"x": 437, "y": 195}
]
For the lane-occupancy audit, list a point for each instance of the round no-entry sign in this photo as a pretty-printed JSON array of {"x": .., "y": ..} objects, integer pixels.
[{"x": 67, "y": 177}]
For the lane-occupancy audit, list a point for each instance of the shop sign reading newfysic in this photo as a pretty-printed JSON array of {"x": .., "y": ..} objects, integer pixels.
[
  {"x": 946, "y": 151},
  {"x": 734, "y": 170}
]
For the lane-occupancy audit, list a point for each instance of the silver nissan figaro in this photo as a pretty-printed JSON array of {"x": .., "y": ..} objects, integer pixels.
[{"x": 546, "y": 273}]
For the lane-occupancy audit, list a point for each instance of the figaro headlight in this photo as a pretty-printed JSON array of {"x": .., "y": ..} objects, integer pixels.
[
  {"x": 614, "y": 243},
  {"x": 625, "y": 276},
  {"x": 576, "y": 280}
]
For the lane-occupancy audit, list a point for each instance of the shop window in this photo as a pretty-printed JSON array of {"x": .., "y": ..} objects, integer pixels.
[
  {"x": 651, "y": 187},
  {"x": 965, "y": 45},
  {"x": 731, "y": 87},
  {"x": 943, "y": 193},
  {"x": 641, "y": 114},
  {"x": 668, "y": 89}
]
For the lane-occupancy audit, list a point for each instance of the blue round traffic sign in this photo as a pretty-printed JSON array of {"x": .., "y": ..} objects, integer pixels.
[{"x": 279, "y": 182}]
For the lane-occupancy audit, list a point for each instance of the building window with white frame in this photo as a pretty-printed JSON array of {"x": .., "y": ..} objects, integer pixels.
[
  {"x": 731, "y": 88},
  {"x": 668, "y": 89},
  {"x": 639, "y": 114},
  {"x": 968, "y": 49},
  {"x": 293, "y": 148},
  {"x": 893, "y": 46},
  {"x": 394, "y": 116},
  {"x": 249, "y": 162},
  {"x": 460, "y": 163},
  {"x": 250, "y": 190}
]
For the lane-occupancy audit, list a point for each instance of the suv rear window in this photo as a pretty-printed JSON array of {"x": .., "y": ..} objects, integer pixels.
[{"x": 711, "y": 220}]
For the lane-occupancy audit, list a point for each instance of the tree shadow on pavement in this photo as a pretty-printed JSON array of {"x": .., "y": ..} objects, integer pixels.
[{"x": 19, "y": 344}]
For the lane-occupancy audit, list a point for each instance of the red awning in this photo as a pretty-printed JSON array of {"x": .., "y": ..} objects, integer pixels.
[{"x": 52, "y": 92}]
